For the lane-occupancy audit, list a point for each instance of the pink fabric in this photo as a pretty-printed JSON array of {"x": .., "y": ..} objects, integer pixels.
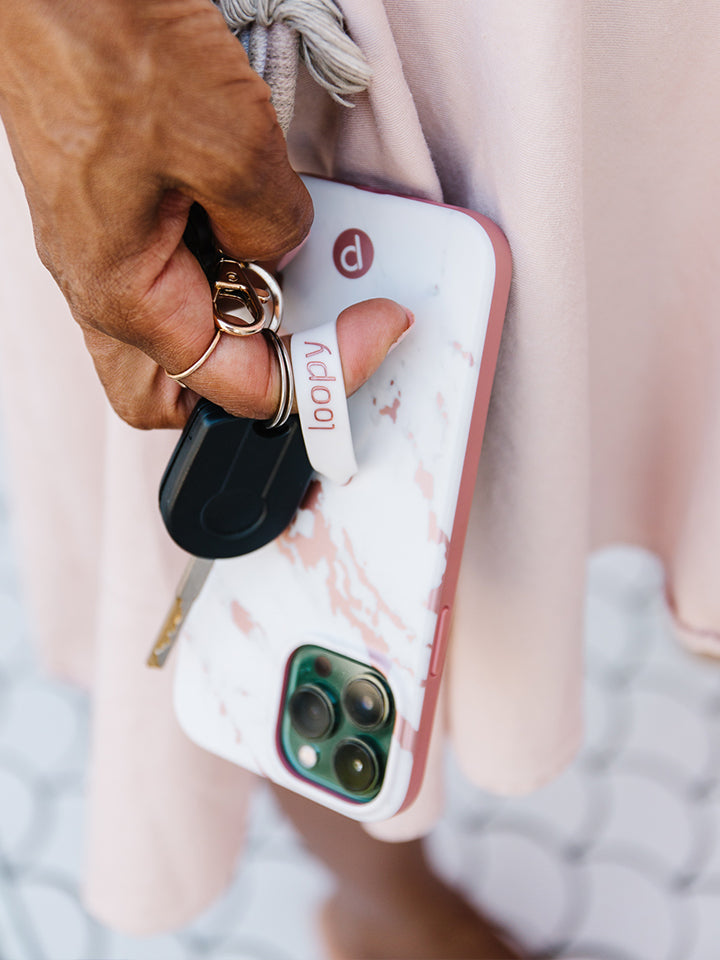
[{"x": 588, "y": 131}]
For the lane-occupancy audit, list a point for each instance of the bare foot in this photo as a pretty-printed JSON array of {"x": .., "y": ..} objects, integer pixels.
[{"x": 432, "y": 923}]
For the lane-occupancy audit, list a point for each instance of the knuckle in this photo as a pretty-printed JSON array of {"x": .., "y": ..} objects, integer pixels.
[
  {"x": 233, "y": 187},
  {"x": 140, "y": 415},
  {"x": 243, "y": 163},
  {"x": 43, "y": 252},
  {"x": 134, "y": 417}
]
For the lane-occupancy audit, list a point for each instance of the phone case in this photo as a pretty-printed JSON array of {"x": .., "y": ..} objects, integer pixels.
[{"x": 366, "y": 570}]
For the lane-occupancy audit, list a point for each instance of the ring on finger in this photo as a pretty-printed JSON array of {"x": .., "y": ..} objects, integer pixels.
[
  {"x": 198, "y": 363},
  {"x": 236, "y": 298}
]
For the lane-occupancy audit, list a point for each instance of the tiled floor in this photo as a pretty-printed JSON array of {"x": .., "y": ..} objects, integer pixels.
[{"x": 618, "y": 859}]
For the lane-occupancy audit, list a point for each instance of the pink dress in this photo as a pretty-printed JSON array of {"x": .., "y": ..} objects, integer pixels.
[{"x": 589, "y": 132}]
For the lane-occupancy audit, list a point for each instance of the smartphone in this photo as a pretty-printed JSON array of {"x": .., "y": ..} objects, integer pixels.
[{"x": 316, "y": 660}]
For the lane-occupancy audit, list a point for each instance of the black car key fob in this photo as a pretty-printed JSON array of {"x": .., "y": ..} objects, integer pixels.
[{"x": 232, "y": 485}]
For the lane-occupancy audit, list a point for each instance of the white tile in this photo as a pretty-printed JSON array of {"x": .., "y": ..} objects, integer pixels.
[
  {"x": 707, "y": 819},
  {"x": 665, "y": 728},
  {"x": 269, "y": 830},
  {"x": 13, "y": 944},
  {"x": 165, "y": 947},
  {"x": 13, "y": 629},
  {"x": 608, "y": 716},
  {"x": 520, "y": 880},
  {"x": 628, "y": 913},
  {"x": 625, "y": 574},
  {"x": 283, "y": 905},
  {"x": 18, "y": 809},
  {"x": 39, "y": 725},
  {"x": 706, "y": 928},
  {"x": 58, "y": 920},
  {"x": 613, "y": 641},
  {"x": 565, "y": 806},
  {"x": 648, "y": 825},
  {"x": 691, "y": 678},
  {"x": 62, "y": 849}
]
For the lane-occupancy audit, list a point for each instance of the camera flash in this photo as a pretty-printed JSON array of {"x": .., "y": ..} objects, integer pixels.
[{"x": 307, "y": 756}]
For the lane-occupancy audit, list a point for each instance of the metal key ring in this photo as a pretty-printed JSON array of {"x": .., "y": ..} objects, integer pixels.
[
  {"x": 234, "y": 287},
  {"x": 287, "y": 380}
]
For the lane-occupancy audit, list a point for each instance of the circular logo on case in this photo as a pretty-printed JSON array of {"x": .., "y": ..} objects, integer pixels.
[{"x": 353, "y": 253}]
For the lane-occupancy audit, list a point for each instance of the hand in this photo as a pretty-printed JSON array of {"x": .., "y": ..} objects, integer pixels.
[{"x": 120, "y": 114}]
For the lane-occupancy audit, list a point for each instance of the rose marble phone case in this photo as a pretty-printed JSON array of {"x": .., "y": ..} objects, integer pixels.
[{"x": 367, "y": 570}]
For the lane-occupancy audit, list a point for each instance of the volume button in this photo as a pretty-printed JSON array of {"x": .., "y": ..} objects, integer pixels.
[{"x": 437, "y": 658}]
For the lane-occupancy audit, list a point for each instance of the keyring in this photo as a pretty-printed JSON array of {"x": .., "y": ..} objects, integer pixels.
[
  {"x": 287, "y": 380},
  {"x": 236, "y": 298},
  {"x": 239, "y": 307}
]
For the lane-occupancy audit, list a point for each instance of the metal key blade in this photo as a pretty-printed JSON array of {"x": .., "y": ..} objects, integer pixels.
[{"x": 191, "y": 583}]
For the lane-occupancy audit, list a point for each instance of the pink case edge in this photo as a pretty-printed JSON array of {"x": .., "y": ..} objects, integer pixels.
[{"x": 486, "y": 376}]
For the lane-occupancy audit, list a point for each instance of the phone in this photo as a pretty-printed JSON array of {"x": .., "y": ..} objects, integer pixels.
[{"x": 316, "y": 660}]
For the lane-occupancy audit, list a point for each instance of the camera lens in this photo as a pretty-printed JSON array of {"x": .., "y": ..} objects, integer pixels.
[
  {"x": 366, "y": 702},
  {"x": 311, "y": 712},
  {"x": 356, "y": 766}
]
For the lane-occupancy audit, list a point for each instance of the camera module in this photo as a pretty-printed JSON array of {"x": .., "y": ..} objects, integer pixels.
[{"x": 336, "y": 722}]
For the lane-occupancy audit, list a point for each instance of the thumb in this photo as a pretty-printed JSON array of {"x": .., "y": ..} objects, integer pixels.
[
  {"x": 242, "y": 375},
  {"x": 366, "y": 332}
]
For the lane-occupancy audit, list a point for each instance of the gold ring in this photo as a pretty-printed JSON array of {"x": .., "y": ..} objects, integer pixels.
[
  {"x": 198, "y": 363},
  {"x": 287, "y": 381}
]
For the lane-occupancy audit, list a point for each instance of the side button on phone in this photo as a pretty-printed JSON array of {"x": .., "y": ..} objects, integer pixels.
[{"x": 440, "y": 642}]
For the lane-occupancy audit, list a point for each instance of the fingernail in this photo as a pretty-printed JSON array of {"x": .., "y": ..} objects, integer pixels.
[
  {"x": 290, "y": 255},
  {"x": 411, "y": 321}
]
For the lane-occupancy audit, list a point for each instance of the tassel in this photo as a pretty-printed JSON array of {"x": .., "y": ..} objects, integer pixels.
[{"x": 276, "y": 32}]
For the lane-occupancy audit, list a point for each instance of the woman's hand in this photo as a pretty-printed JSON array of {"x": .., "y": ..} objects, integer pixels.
[{"x": 120, "y": 114}]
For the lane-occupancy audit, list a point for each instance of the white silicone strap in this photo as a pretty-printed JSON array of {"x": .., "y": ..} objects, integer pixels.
[{"x": 322, "y": 404}]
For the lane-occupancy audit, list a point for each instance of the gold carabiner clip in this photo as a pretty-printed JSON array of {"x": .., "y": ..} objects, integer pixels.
[{"x": 241, "y": 307}]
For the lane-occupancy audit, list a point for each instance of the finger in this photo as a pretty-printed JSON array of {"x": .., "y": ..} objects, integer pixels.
[
  {"x": 366, "y": 332},
  {"x": 138, "y": 389},
  {"x": 258, "y": 210},
  {"x": 274, "y": 221},
  {"x": 242, "y": 375},
  {"x": 236, "y": 164}
]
